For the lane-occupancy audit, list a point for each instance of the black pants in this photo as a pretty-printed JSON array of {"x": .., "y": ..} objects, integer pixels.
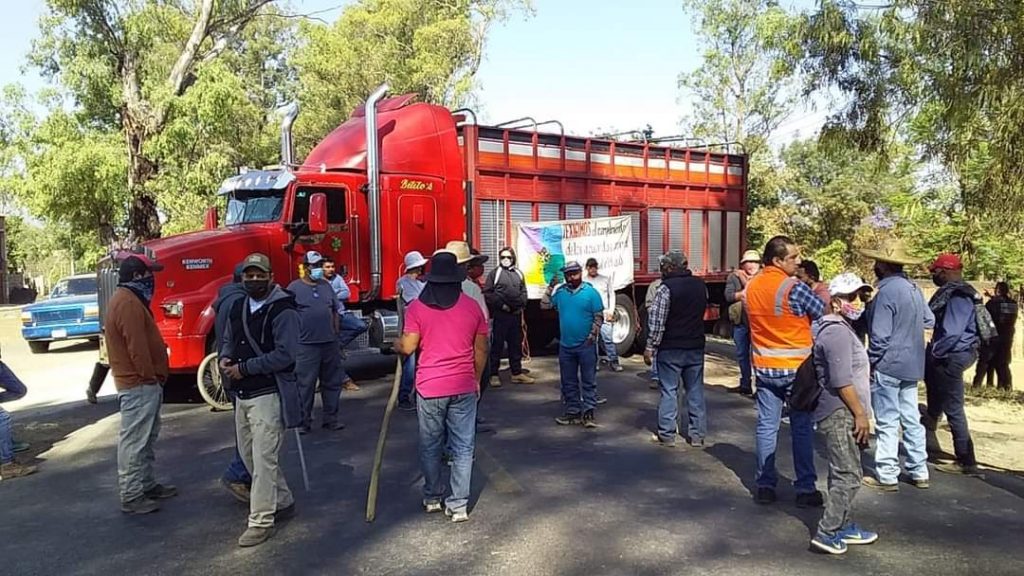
[
  {"x": 508, "y": 329},
  {"x": 944, "y": 380},
  {"x": 995, "y": 360},
  {"x": 99, "y": 374}
]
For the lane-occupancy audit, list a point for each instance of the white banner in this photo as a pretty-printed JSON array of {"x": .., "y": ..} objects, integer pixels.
[{"x": 545, "y": 247}]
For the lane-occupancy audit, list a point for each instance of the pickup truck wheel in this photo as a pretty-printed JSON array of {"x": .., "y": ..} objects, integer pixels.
[
  {"x": 208, "y": 379},
  {"x": 38, "y": 346},
  {"x": 625, "y": 326}
]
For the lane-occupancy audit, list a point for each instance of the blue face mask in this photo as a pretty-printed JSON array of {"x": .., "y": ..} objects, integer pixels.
[{"x": 316, "y": 273}]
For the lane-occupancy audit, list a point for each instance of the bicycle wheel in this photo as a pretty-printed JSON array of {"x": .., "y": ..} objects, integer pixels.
[{"x": 208, "y": 378}]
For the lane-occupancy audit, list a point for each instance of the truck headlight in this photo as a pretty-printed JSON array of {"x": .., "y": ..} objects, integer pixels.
[
  {"x": 92, "y": 311},
  {"x": 173, "y": 309},
  {"x": 26, "y": 317}
]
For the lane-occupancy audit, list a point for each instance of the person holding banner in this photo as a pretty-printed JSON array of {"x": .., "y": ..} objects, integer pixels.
[{"x": 580, "y": 315}]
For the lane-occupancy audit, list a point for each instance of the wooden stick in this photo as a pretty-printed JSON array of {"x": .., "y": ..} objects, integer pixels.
[{"x": 371, "y": 497}]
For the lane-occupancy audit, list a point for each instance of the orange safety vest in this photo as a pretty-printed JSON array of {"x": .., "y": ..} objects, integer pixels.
[{"x": 779, "y": 338}]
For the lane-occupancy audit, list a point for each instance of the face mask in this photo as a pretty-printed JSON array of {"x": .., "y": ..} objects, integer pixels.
[
  {"x": 937, "y": 279},
  {"x": 316, "y": 273},
  {"x": 851, "y": 311},
  {"x": 506, "y": 262},
  {"x": 256, "y": 289},
  {"x": 147, "y": 285}
]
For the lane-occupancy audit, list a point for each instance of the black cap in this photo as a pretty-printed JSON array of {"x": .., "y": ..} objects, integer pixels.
[
  {"x": 135, "y": 264},
  {"x": 591, "y": 262}
]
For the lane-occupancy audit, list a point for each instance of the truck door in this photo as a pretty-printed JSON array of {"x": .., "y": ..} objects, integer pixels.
[
  {"x": 336, "y": 242},
  {"x": 417, "y": 219}
]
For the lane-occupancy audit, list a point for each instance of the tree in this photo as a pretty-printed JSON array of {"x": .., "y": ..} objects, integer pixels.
[
  {"x": 433, "y": 49},
  {"x": 130, "y": 67}
]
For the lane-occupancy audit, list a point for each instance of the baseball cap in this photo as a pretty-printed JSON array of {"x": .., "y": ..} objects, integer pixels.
[
  {"x": 750, "y": 256},
  {"x": 312, "y": 258},
  {"x": 256, "y": 260},
  {"x": 592, "y": 262},
  {"x": 414, "y": 260},
  {"x": 946, "y": 262},
  {"x": 572, "y": 266},
  {"x": 135, "y": 263},
  {"x": 674, "y": 258},
  {"x": 846, "y": 283}
]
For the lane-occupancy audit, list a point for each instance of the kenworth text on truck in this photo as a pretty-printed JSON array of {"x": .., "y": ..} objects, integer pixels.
[{"x": 403, "y": 175}]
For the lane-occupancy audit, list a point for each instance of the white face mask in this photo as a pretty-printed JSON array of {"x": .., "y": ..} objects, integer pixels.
[{"x": 506, "y": 261}]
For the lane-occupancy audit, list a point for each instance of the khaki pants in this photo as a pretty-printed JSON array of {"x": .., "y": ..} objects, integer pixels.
[
  {"x": 140, "y": 426},
  {"x": 260, "y": 434}
]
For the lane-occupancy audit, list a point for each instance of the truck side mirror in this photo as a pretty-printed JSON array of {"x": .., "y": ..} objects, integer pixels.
[
  {"x": 212, "y": 218},
  {"x": 318, "y": 213}
]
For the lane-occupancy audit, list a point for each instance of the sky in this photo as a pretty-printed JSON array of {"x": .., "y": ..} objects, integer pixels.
[{"x": 594, "y": 65}]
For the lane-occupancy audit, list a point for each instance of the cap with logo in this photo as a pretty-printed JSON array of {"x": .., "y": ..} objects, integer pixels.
[
  {"x": 846, "y": 283},
  {"x": 258, "y": 261},
  {"x": 571, "y": 266},
  {"x": 312, "y": 258},
  {"x": 947, "y": 262}
]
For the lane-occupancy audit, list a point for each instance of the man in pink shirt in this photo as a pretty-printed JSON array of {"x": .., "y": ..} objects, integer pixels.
[{"x": 450, "y": 333}]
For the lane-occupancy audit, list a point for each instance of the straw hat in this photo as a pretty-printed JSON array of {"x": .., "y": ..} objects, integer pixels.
[{"x": 893, "y": 251}]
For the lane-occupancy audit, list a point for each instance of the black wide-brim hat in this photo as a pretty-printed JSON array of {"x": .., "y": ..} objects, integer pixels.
[{"x": 445, "y": 269}]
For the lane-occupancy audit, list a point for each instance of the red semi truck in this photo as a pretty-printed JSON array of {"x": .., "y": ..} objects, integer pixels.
[{"x": 403, "y": 175}]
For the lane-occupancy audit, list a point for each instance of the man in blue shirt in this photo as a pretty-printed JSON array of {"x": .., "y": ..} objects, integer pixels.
[
  {"x": 954, "y": 347},
  {"x": 580, "y": 314},
  {"x": 897, "y": 319},
  {"x": 350, "y": 326}
]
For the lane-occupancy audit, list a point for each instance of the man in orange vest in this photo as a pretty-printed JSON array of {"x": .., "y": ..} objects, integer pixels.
[{"x": 780, "y": 309}]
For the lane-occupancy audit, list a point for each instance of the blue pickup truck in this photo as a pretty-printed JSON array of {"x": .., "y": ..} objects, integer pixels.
[{"x": 71, "y": 312}]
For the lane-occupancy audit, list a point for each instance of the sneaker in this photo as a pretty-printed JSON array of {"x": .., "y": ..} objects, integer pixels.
[
  {"x": 522, "y": 379},
  {"x": 432, "y": 507},
  {"x": 161, "y": 492},
  {"x": 920, "y": 483},
  {"x": 568, "y": 419},
  {"x": 872, "y": 482},
  {"x": 588, "y": 419},
  {"x": 457, "y": 515},
  {"x": 350, "y": 386},
  {"x": 90, "y": 396},
  {"x": 765, "y": 496},
  {"x": 254, "y": 536},
  {"x": 140, "y": 505},
  {"x": 957, "y": 468},
  {"x": 655, "y": 384},
  {"x": 15, "y": 469},
  {"x": 810, "y": 500},
  {"x": 406, "y": 406},
  {"x": 654, "y": 438},
  {"x": 286, "y": 513},
  {"x": 855, "y": 535},
  {"x": 697, "y": 442},
  {"x": 829, "y": 544},
  {"x": 494, "y": 382},
  {"x": 239, "y": 490},
  {"x": 334, "y": 426},
  {"x": 600, "y": 400},
  {"x": 20, "y": 446},
  {"x": 616, "y": 367}
]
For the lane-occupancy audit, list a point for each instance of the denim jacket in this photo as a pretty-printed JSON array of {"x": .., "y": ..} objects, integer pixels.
[{"x": 897, "y": 319}]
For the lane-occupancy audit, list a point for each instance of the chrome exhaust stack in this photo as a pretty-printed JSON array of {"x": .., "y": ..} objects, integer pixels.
[
  {"x": 287, "y": 145},
  {"x": 373, "y": 188}
]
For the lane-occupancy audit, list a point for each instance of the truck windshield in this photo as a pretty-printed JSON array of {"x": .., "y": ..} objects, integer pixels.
[
  {"x": 247, "y": 206},
  {"x": 74, "y": 287}
]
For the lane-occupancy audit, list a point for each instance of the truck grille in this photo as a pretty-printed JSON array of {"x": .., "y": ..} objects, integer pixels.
[
  {"x": 106, "y": 283},
  {"x": 50, "y": 317}
]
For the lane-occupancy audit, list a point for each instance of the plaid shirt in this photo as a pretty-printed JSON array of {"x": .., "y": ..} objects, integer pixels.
[
  {"x": 657, "y": 313},
  {"x": 803, "y": 302}
]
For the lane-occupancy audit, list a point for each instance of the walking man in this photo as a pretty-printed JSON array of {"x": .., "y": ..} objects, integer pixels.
[
  {"x": 258, "y": 355},
  {"x": 318, "y": 357},
  {"x": 236, "y": 478},
  {"x": 954, "y": 347},
  {"x": 841, "y": 366},
  {"x": 409, "y": 287},
  {"x": 11, "y": 389},
  {"x": 996, "y": 359},
  {"x": 138, "y": 360},
  {"x": 780, "y": 309},
  {"x": 735, "y": 292},
  {"x": 897, "y": 318},
  {"x": 450, "y": 332},
  {"x": 603, "y": 285},
  {"x": 505, "y": 292},
  {"x": 350, "y": 326},
  {"x": 580, "y": 315},
  {"x": 676, "y": 336}
]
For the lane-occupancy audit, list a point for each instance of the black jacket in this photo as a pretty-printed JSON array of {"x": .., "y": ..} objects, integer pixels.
[
  {"x": 684, "y": 326},
  {"x": 505, "y": 287}
]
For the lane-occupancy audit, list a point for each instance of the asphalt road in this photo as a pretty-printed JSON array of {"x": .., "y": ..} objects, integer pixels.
[{"x": 546, "y": 499}]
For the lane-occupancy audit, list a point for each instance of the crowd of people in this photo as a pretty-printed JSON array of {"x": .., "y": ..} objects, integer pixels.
[{"x": 859, "y": 349}]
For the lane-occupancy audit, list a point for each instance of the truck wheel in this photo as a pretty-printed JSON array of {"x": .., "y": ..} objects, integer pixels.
[
  {"x": 208, "y": 378},
  {"x": 626, "y": 324},
  {"x": 38, "y": 346}
]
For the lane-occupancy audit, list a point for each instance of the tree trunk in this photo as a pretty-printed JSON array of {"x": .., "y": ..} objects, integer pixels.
[{"x": 143, "y": 220}]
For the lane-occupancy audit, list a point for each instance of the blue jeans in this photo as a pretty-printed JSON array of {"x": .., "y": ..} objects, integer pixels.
[
  {"x": 12, "y": 389},
  {"x": 319, "y": 362},
  {"x": 609, "y": 346},
  {"x": 351, "y": 327},
  {"x": 454, "y": 417},
  {"x": 237, "y": 473},
  {"x": 408, "y": 380},
  {"x": 741, "y": 336},
  {"x": 688, "y": 366},
  {"x": 578, "y": 367},
  {"x": 895, "y": 403},
  {"x": 654, "y": 367},
  {"x": 944, "y": 382},
  {"x": 771, "y": 395}
]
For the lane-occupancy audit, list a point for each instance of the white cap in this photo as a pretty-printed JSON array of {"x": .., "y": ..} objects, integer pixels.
[
  {"x": 312, "y": 258},
  {"x": 846, "y": 283},
  {"x": 414, "y": 260}
]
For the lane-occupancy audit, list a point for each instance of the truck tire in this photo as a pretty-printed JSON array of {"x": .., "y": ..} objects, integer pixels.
[
  {"x": 38, "y": 346},
  {"x": 626, "y": 325}
]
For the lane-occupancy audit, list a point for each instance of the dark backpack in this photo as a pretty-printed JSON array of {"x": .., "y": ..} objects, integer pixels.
[{"x": 806, "y": 390}]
